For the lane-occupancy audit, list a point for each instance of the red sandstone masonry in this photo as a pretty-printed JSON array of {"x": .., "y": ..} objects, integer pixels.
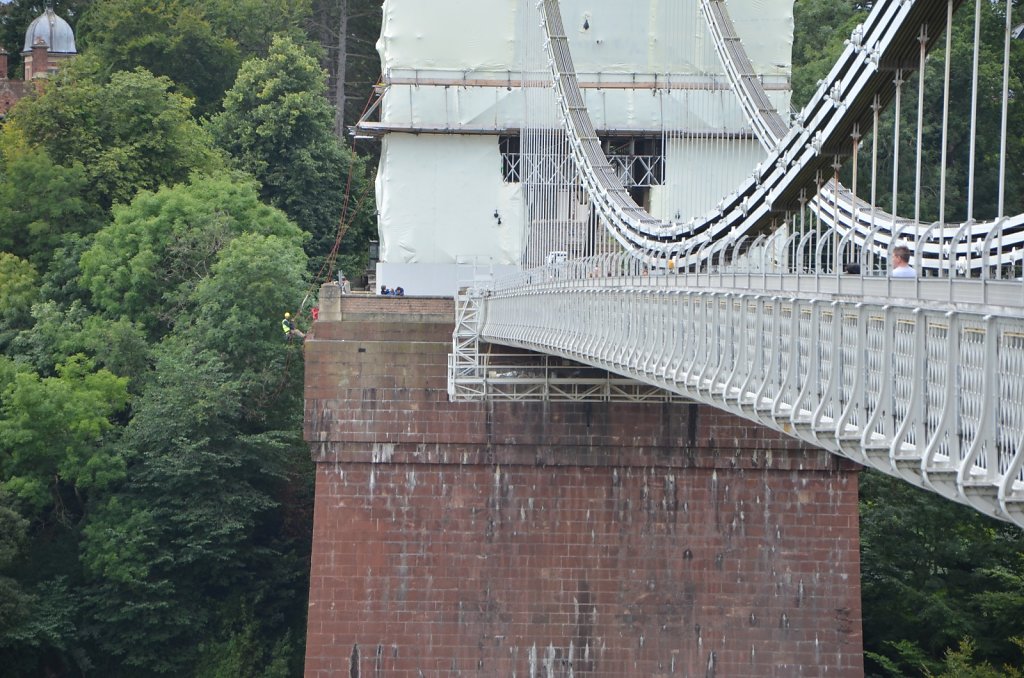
[{"x": 500, "y": 539}]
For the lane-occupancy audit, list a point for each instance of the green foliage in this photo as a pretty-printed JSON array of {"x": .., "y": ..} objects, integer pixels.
[
  {"x": 277, "y": 126},
  {"x": 53, "y": 435},
  {"x": 149, "y": 261},
  {"x": 42, "y": 626},
  {"x": 130, "y": 133},
  {"x": 195, "y": 522},
  {"x": 961, "y": 663},
  {"x": 238, "y": 651},
  {"x": 120, "y": 543},
  {"x": 169, "y": 38},
  {"x": 932, "y": 574},
  {"x": 33, "y": 228},
  {"x": 820, "y": 28},
  {"x": 239, "y": 308},
  {"x": 18, "y": 291},
  {"x": 14, "y": 602},
  {"x": 194, "y": 527},
  {"x": 254, "y": 23},
  {"x": 197, "y": 44},
  {"x": 154, "y": 488},
  {"x": 59, "y": 281}
]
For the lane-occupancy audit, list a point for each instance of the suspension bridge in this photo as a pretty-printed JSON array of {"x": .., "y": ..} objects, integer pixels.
[{"x": 778, "y": 304}]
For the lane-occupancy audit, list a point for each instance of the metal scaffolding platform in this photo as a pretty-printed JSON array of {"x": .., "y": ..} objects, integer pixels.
[{"x": 479, "y": 371}]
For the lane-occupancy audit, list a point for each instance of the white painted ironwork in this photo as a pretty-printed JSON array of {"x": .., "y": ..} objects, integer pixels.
[
  {"x": 750, "y": 309},
  {"x": 475, "y": 373},
  {"x": 856, "y": 84},
  {"x": 926, "y": 391}
]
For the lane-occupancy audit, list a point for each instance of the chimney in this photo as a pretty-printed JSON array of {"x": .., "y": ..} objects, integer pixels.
[
  {"x": 40, "y": 60},
  {"x": 3, "y": 63}
]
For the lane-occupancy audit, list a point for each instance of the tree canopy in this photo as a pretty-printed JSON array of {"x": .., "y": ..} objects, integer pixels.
[
  {"x": 128, "y": 134},
  {"x": 277, "y": 125}
]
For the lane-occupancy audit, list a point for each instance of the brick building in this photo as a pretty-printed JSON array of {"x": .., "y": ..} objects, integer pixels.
[{"x": 49, "y": 42}]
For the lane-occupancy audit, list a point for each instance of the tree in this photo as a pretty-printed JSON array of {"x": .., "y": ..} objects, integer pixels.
[
  {"x": 34, "y": 619},
  {"x": 254, "y": 23},
  {"x": 820, "y": 28},
  {"x": 54, "y": 442},
  {"x": 34, "y": 228},
  {"x": 146, "y": 264},
  {"x": 13, "y": 600},
  {"x": 197, "y": 44},
  {"x": 172, "y": 39},
  {"x": 277, "y": 126},
  {"x": 238, "y": 311},
  {"x": 18, "y": 291},
  {"x": 129, "y": 134},
  {"x": 932, "y": 574},
  {"x": 348, "y": 30},
  {"x": 195, "y": 537},
  {"x": 172, "y": 536}
]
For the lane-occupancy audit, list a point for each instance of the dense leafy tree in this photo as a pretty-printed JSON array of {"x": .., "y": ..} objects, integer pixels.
[
  {"x": 170, "y": 538},
  {"x": 34, "y": 619},
  {"x": 166, "y": 534},
  {"x": 196, "y": 528},
  {"x": 33, "y": 227},
  {"x": 18, "y": 291},
  {"x": 129, "y": 134},
  {"x": 277, "y": 126},
  {"x": 193, "y": 537},
  {"x": 254, "y": 23},
  {"x": 170, "y": 38},
  {"x": 54, "y": 443},
  {"x": 933, "y": 573},
  {"x": 820, "y": 28},
  {"x": 147, "y": 263},
  {"x": 13, "y": 600},
  {"x": 118, "y": 345},
  {"x": 238, "y": 311},
  {"x": 197, "y": 44}
]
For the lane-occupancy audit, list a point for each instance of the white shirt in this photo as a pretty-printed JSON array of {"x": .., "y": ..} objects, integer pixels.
[{"x": 904, "y": 272}]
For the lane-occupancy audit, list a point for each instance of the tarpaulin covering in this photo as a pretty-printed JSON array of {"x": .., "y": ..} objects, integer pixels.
[{"x": 454, "y": 70}]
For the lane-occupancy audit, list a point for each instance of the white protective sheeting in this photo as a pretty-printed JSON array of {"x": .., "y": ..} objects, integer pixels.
[
  {"x": 494, "y": 109},
  {"x": 438, "y": 199},
  {"x": 470, "y": 37},
  {"x": 454, "y": 72},
  {"x": 448, "y": 35},
  {"x": 688, "y": 191},
  {"x": 436, "y": 280}
]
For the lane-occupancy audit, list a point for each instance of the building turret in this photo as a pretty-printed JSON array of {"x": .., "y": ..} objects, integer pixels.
[{"x": 49, "y": 41}]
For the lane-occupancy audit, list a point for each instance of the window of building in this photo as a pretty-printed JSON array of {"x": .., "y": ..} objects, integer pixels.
[{"x": 511, "y": 165}]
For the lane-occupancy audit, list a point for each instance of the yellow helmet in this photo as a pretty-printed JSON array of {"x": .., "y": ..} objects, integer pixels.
[{"x": 287, "y": 314}]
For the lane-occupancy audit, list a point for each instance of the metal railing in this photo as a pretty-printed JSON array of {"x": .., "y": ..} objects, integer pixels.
[
  {"x": 929, "y": 392},
  {"x": 797, "y": 326}
]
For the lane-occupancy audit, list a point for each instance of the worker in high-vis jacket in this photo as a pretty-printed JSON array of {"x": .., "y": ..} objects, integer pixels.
[{"x": 290, "y": 330}]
